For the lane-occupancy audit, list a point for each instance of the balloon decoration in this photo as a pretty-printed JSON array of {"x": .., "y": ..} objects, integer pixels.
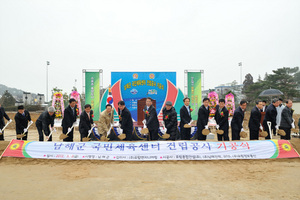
[
  {"x": 213, "y": 102},
  {"x": 75, "y": 95},
  {"x": 229, "y": 102},
  {"x": 58, "y": 104}
]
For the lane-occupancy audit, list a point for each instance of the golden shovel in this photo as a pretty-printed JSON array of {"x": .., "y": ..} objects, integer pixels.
[
  {"x": 64, "y": 136},
  {"x": 86, "y": 139},
  {"x": 20, "y": 136}
]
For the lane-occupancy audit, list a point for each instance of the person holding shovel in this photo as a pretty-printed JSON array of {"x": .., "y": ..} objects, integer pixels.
[
  {"x": 222, "y": 120},
  {"x": 271, "y": 114},
  {"x": 151, "y": 119},
  {"x": 2, "y": 123},
  {"x": 286, "y": 122},
  {"x": 106, "y": 120},
  {"x": 22, "y": 118},
  {"x": 86, "y": 121},
  {"x": 43, "y": 122},
  {"x": 237, "y": 120},
  {"x": 202, "y": 121},
  {"x": 70, "y": 116},
  {"x": 125, "y": 118},
  {"x": 170, "y": 120},
  {"x": 254, "y": 121},
  {"x": 185, "y": 119}
]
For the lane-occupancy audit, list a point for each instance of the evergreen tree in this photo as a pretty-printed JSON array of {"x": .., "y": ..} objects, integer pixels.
[{"x": 7, "y": 99}]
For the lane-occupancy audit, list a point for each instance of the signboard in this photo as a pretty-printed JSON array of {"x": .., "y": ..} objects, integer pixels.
[
  {"x": 152, "y": 151},
  {"x": 92, "y": 92},
  {"x": 134, "y": 86},
  {"x": 194, "y": 92}
]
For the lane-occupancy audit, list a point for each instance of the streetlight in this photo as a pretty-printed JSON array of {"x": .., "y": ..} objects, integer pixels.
[{"x": 48, "y": 63}]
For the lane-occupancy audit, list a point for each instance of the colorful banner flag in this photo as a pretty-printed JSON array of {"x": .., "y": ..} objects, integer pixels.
[
  {"x": 152, "y": 151},
  {"x": 194, "y": 92},
  {"x": 92, "y": 92}
]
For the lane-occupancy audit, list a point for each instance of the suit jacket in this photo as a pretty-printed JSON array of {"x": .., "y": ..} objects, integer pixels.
[
  {"x": 237, "y": 119},
  {"x": 3, "y": 114},
  {"x": 185, "y": 117},
  {"x": 104, "y": 121},
  {"x": 254, "y": 121},
  {"x": 286, "y": 118},
  {"x": 69, "y": 118},
  {"x": 126, "y": 120},
  {"x": 222, "y": 121},
  {"x": 22, "y": 121},
  {"x": 45, "y": 120},
  {"x": 271, "y": 114},
  {"x": 85, "y": 122},
  {"x": 151, "y": 118},
  {"x": 203, "y": 115},
  {"x": 170, "y": 119}
]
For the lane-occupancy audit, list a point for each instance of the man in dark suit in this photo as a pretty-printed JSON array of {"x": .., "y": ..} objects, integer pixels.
[
  {"x": 22, "y": 118},
  {"x": 151, "y": 119},
  {"x": 70, "y": 116},
  {"x": 203, "y": 115},
  {"x": 125, "y": 120},
  {"x": 221, "y": 117},
  {"x": 254, "y": 121},
  {"x": 270, "y": 116},
  {"x": 43, "y": 122},
  {"x": 86, "y": 121},
  {"x": 170, "y": 120},
  {"x": 2, "y": 123},
  {"x": 286, "y": 122},
  {"x": 185, "y": 118},
  {"x": 237, "y": 120}
]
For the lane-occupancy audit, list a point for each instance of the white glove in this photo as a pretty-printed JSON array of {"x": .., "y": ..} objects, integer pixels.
[
  {"x": 277, "y": 126},
  {"x": 90, "y": 131},
  {"x": 261, "y": 128},
  {"x": 69, "y": 129},
  {"x": 121, "y": 131},
  {"x": 144, "y": 121},
  {"x": 166, "y": 130},
  {"x": 10, "y": 120},
  {"x": 0, "y": 130},
  {"x": 242, "y": 130},
  {"x": 94, "y": 124},
  {"x": 217, "y": 126},
  {"x": 206, "y": 127},
  {"x": 31, "y": 122},
  {"x": 293, "y": 125},
  {"x": 25, "y": 130}
]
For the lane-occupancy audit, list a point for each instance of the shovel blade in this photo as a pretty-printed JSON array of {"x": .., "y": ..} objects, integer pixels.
[
  {"x": 62, "y": 136},
  {"x": 166, "y": 136},
  {"x": 86, "y": 139},
  {"x": 20, "y": 135},
  {"x": 122, "y": 136}
]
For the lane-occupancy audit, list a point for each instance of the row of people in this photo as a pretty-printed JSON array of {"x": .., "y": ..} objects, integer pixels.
[{"x": 45, "y": 122}]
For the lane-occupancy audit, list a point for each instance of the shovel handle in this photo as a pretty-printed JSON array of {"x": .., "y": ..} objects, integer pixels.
[
  {"x": 91, "y": 131},
  {"x": 6, "y": 125},
  {"x": 270, "y": 130},
  {"x": 70, "y": 129}
]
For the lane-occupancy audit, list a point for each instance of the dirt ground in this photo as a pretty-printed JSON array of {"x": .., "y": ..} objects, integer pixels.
[{"x": 25, "y": 178}]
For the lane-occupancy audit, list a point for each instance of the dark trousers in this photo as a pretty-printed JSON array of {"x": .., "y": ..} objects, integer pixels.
[
  {"x": 39, "y": 127},
  {"x": 70, "y": 136},
  {"x": 2, "y": 135},
  {"x": 83, "y": 133},
  {"x": 128, "y": 134},
  {"x": 235, "y": 134},
  {"x": 254, "y": 134},
  {"x": 173, "y": 134},
  {"x": 266, "y": 128},
  {"x": 200, "y": 135},
  {"x": 153, "y": 134},
  {"x": 225, "y": 136},
  {"x": 23, "y": 138},
  {"x": 185, "y": 133},
  {"x": 287, "y": 132}
]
